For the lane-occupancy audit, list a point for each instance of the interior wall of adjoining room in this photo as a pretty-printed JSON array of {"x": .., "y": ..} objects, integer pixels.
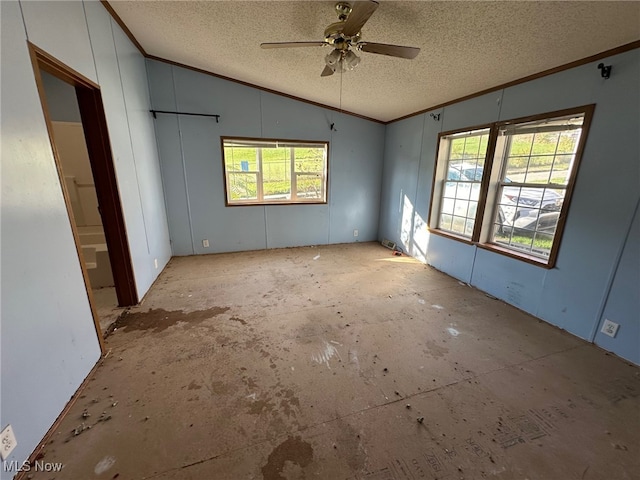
[
  {"x": 70, "y": 143},
  {"x": 49, "y": 343},
  {"x": 74, "y": 159},
  {"x": 61, "y": 99},
  {"x": 191, "y": 157},
  {"x": 596, "y": 275},
  {"x": 72, "y": 149}
]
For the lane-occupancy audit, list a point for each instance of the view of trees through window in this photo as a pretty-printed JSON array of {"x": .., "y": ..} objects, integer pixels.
[{"x": 275, "y": 172}]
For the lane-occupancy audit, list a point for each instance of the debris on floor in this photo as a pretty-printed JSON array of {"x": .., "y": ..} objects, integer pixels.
[
  {"x": 80, "y": 428},
  {"x": 498, "y": 403}
]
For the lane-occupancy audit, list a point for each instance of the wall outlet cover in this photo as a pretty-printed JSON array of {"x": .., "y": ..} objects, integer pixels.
[
  {"x": 7, "y": 442},
  {"x": 205, "y": 243},
  {"x": 610, "y": 328},
  {"x": 355, "y": 233}
]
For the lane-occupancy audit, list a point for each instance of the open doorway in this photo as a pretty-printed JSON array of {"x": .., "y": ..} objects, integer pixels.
[
  {"x": 75, "y": 118},
  {"x": 71, "y": 146}
]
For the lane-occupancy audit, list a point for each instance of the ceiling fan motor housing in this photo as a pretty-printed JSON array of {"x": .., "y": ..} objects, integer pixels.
[{"x": 333, "y": 36}]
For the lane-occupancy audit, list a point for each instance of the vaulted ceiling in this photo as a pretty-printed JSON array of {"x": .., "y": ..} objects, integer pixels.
[{"x": 466, "y": 46}]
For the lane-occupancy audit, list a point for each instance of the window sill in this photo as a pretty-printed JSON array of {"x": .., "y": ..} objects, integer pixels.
[
  {"x": 539, "y": 262},
  {"x": 263, "y": 204},
  {"x": 492, "y": 247},
  {"x": 452, "y": 236}
]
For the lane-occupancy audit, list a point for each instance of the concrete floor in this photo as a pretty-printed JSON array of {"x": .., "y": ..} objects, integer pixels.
[
  {"x": 105, "y": 301},
  {"x": 344, "y": 362}
]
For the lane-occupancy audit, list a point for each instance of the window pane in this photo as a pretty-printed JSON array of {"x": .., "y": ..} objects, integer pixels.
[
  {"x": 447, "y": 206},
  {"x": 475, "y": 192},
  {"x": 445, "y": 221},
  {"x": 241, "y": 159},
  {"x": 568, "y": 142},
  {"x": 545, "y": 143},
  {"x": 484, "y": 141},
  {"x": 276, "y": 167},
  {"x": 457, "y": 148},
  {"x": 473, "y": 208},
  {"x": 539, "y": 169},
  {"x": 561, "y": 169},
  {"x": 309, "y": 167},
  {"x": 461, "y": 207},
  {"x": 461, "y": 191},
  {"x": 542, "y": 153},
  {"x": 457, "y": 225},
  {"x": 272, "y": 171},
  {"x": 309, "y": 186},
  {"x": 468, "y": 228},
  {"x": 450, "y": 189},
  {"x": 243, "y": 186},
  {"x": 309, "y": 160}
]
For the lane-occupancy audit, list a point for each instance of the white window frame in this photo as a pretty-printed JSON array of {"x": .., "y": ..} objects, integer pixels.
[
  {"x": 293, "y": 196},
  {"x": 443, "y": 182},
  {"x": 492, "y": 203}
]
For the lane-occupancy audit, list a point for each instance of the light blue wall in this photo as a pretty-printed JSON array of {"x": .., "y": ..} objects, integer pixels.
[
  {"x": 587, "y": 277},
  {"x": 61, "y": 99},
  {"x": 402, "y": 151},
  {"x": 48, "y": 342},
  {"x": 121, "y": 73},
  {"x": 192, "y": 172},
  {"x": 623, "y": 302}
]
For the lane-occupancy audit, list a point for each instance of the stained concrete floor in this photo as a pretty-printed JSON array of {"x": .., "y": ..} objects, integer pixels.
[{"x": 344, "y": 362}]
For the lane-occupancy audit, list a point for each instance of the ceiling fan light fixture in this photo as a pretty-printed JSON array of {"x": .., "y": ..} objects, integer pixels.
[
  {"x": 350, "y": 60},
  {"x": 333, "y": 58}
]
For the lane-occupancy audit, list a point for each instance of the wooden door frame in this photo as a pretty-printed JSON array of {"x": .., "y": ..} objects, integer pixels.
[{"x": 96, "y": 134}]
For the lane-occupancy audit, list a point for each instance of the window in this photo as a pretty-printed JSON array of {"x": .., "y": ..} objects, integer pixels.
[
  {"x": 465, "y": 155},
  {"x": 274, "y": 171},
  {"x": 506, "y": 187}
]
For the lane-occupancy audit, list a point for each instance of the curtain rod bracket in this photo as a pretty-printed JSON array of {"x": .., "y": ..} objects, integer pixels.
[
  {"x": 155, "y": 112},
  {"x": 605, "y": 70}
]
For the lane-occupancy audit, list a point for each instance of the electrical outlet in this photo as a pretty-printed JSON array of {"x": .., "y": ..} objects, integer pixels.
[
  {"x": 355, "y": 233},
  {"x": 205, "y": 243},
  {"x": 155, "y": 262},
  {"x": 7, "y": 442},
  {"x": 610, "y": 328}
]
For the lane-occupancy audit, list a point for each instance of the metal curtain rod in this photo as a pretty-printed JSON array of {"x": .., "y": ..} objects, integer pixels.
[{"x": 217, "y": 117}]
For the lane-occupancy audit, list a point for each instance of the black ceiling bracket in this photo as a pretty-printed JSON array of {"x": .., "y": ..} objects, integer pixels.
[
  {"x": 155, "y": 112},
  {"x": 605, "y": 70}
]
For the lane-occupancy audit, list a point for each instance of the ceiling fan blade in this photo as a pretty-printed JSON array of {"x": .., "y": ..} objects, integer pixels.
[
  {"x": 291, "y": 44},
  {"x": 328, "y": 71},
  {"x": 358, "y": 17},
  {"x": 391, "y": 50}
]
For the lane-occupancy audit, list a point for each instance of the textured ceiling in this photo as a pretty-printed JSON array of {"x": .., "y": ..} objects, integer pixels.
[{"x": 466, "y": 47}]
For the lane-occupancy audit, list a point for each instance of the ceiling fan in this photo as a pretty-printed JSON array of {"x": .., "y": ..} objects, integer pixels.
[{"x": 345, "y": 37}]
